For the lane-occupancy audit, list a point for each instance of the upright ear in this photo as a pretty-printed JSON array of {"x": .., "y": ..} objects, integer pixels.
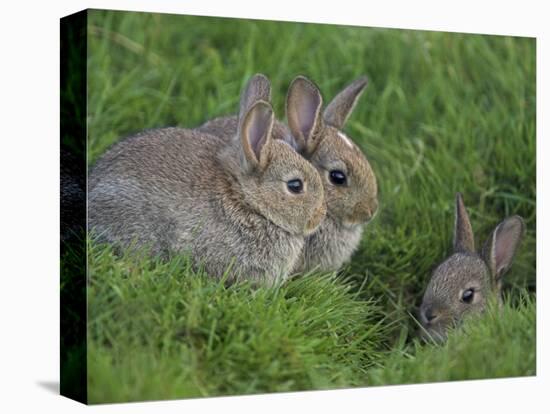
[
  {"x": 255, "y": 134},
  {"x": 341, "y": 107},
  {"x": 464, "y": 236},
  {"x": 257, "y": 89},
  {"x": 303, "y": 107},
  {"x": 501, "y": 246}
]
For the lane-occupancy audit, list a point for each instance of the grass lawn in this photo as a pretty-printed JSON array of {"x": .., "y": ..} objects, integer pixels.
[{"x": 442, "y": 113}]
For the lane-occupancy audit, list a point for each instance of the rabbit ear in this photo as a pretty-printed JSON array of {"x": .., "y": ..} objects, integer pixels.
[
  {"x": 257, "y": 89},
  {"x": 340, "y": 108},
  {"x": 501, "y": 246},
  {"x": 255, "y": 133},
  {"x": 303, "y": 106},
  {"x": 464, "y": 236}
]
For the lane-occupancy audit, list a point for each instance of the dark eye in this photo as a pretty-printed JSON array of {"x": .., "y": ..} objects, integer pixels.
[
  {"x": 337, "y": 177},
  {"x": 468, "y": 296},
  {"x": 295, "y": 186}
]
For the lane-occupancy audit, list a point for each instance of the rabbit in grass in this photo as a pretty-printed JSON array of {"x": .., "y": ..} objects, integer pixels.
[
  {"x": 349, "y": 182},
  {"x": 466, "y": 281},
  {"x": 245, "y": 207}
]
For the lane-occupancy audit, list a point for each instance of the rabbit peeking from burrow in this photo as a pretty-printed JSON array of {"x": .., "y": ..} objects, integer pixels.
[{"x": 467, "y": 281}]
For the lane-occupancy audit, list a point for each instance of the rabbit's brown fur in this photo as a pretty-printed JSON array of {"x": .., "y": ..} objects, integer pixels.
[
  {"x": 318, "y": 137},
  {"x": 447, "y": 299},
  {"x": 181, "y": 190}
]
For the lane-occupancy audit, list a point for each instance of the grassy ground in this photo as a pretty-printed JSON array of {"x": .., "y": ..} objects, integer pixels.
[
  {"x": 443, "y": 113},
  {"x": 498, "y": 345}
]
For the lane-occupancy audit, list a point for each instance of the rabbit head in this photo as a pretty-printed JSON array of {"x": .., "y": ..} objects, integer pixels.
[
  {"x": 465, "y": 282},
  {"x": 350, "y": 185},
  {"x": 274, "y": 180}
]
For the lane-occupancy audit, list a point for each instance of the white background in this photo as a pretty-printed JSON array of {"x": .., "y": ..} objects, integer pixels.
[{"x": 29, "y": 206}]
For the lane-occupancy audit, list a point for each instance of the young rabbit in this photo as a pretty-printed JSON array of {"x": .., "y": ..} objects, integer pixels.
[
  {"x": 464, "y": 283},
  {"x": 349, "y": 183},
  {"x": 246, "y": 206}
]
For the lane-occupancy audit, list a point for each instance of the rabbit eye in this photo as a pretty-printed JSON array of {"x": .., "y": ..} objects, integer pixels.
[
  {"x": 337, "y": 177},
  {"x": 295, "y": 186},
  {"x": 468, "y": 296}
]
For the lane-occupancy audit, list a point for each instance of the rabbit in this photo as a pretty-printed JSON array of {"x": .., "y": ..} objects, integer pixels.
[
  {"x": 349, "y": 182},
  {"x": 466, "y": 281},
  {"x": 243, "y": 208}
]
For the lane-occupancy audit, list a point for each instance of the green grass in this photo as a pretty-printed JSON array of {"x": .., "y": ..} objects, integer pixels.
[
  {"x": 157, "y": 330},
  {"x": 500, "y": 344},
  {"x": 442, "y": 113}
]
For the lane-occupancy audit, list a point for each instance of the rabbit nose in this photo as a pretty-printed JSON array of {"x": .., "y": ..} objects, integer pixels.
[
  {"x": 374, "y": 207},
  {"x": 429, "y": 315},
  {"x": 364, "y": 211}
]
